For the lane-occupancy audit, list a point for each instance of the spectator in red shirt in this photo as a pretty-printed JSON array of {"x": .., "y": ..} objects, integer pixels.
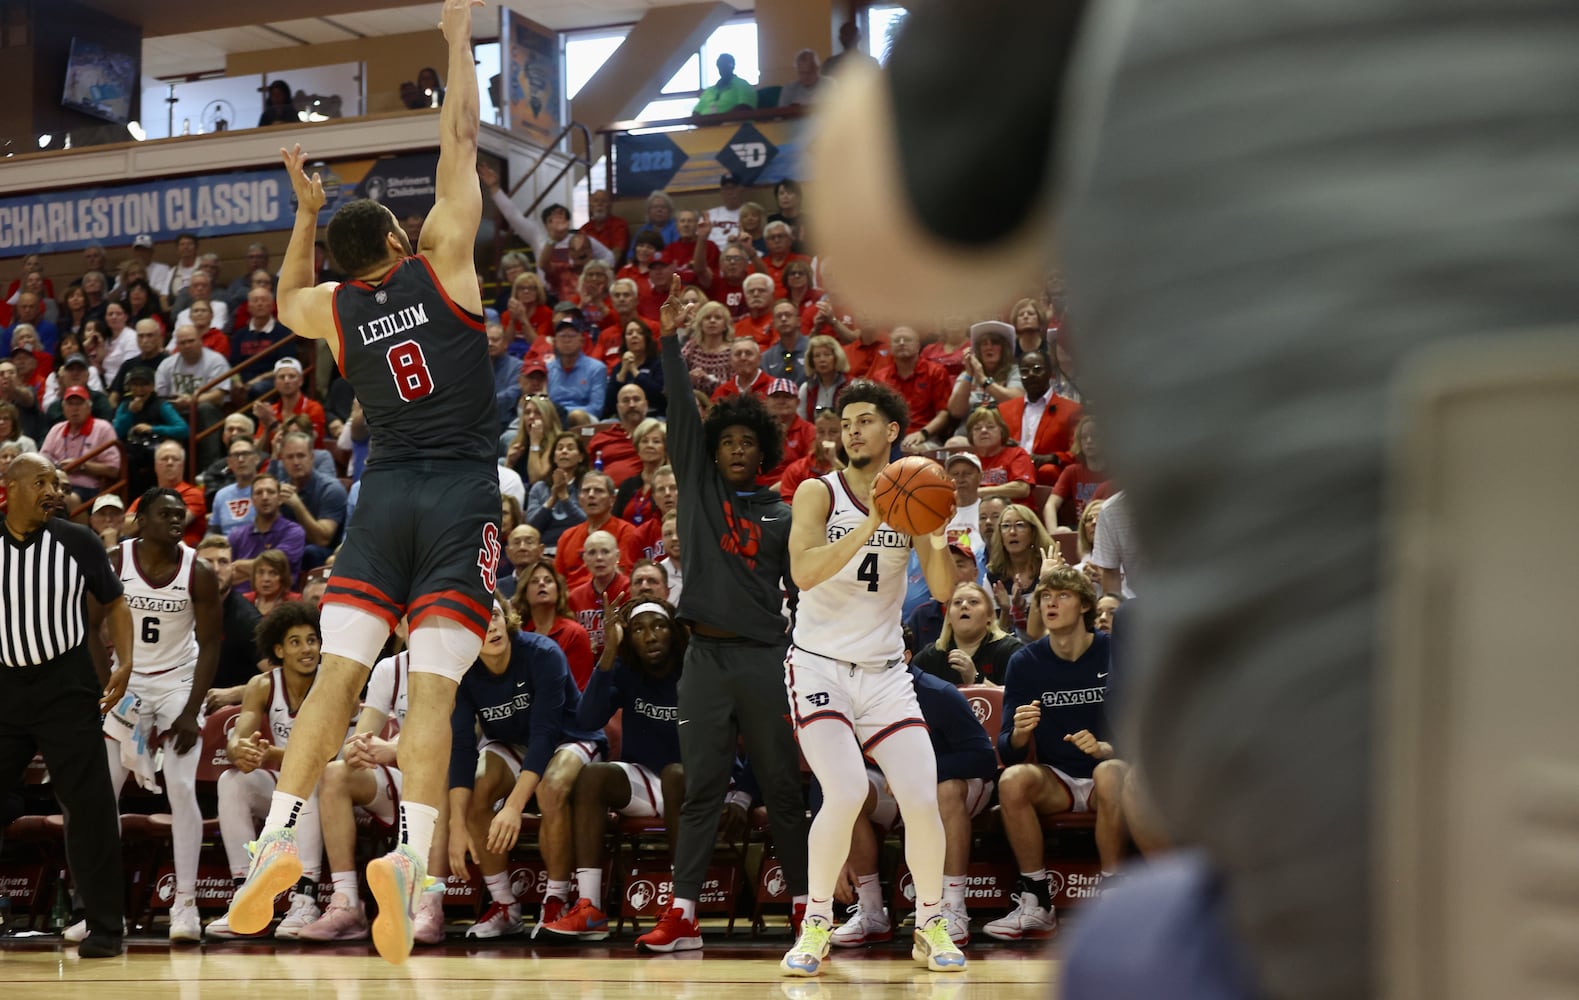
[
  {"x": 169, "y": 473},
  {"x": 1079, "y": 482},
  {"x": 625, "y": 297},
  {"x": 693, "y": 247},
  {"x": 1041, "y": 420},
  {"x": 662, "y": 272},
  {"x": 727, "y": 282},
  {"x": 757, "y": 323},
  {"x": 864, "y": 345},
  {"x": 820, "y": 460},
  {"x": 527, "y": 318},
  {"x": 925, "y": 386},
  {"x": 592, "y": 295},
  {"x": 543, "y": 601},
  {"x": 800, "y": 436},
  {"x": 797, "y": 287},
  {"x": 605, "y": 589},
  {"x": 596, "y": 498},
  {"x": 664, "y": 497},
  {"x": 288, "y": 382},
  {"x": 779, "y": 239},
  {"x": 215, "y": 339},
  {"x": 1006, "y": 469},
  {"x": 646, "y": 245},
  {"x": 633, "y": 493},
  {"x": 615, "y": 445},
  {"x": 745, "y": 360},
  {"x": 949, "y": 350},
  {"x": 606, "y": 227}
]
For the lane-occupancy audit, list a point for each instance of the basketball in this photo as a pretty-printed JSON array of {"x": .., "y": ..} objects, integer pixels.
[{"x": 914, "y": 495}]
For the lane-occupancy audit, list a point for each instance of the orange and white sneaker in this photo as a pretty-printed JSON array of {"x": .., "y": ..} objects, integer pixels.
[
  {"x": 275, "y": 868},
  {"x": 673, "y": 933},
  {"x": 582, "y": 922},
  {"x": 397, "y": 880}
]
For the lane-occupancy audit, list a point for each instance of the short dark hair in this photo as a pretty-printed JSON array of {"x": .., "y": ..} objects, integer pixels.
[
  {"x": 271, "y": 631},
  {"x": 550, "y": 210},
  {"x": 746, "y": 410},
  {"x": 649, "y": 237},
  {"x": 154, "y": 493},
  {"x": 888, "y": 402},
  {"x": 356, "y": 234},
  {"x": 787, "y": 184},
  {"x": 638, "y": 564}
]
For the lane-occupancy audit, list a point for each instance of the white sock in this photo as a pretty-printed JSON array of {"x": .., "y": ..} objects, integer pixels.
[
  {"x": 416, "y": 827},
  {"x": 558, "y": 889},
  {"x": 687, "y": 908},
  {"x": 499, "y": 888},
  {"x": 869, "y": 892},
  {"x": 1040, "y": 875},
  {"x": 283, "y": 812},
  {"x": 821, "y": 908},
  {"x": 954, "y": 892},
  {"x": 185, "y": 897},
  {"x": 345, "y": 885},
  {"x": 589, "y": 885},
  {"x": 927, "y": 910}
]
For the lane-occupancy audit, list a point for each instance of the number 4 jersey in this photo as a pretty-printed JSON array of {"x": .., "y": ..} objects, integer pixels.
[
  {"x": 420, "y": 367},
  {"x": 855, "y": 615}
]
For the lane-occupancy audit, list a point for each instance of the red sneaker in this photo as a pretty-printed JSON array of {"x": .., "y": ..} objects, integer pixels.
[
  {"x": 582, "y": 922},
  {"x": 553, "y": 908},
  {"x": 797, "y": 914},
  {"x": 673, "y": 933}
]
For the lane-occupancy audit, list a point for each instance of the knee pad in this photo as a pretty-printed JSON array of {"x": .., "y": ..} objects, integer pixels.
[
  {"x": 351, "y": 632},
  {"x": 444, "y": 647}
]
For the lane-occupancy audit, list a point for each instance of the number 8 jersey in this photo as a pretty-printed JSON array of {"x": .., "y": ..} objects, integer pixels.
[
  {"x": 420, "y": 367},
  {"x": 856, "y": 614}
]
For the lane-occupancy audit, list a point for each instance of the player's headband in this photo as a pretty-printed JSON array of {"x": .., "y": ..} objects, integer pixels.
[{"x": 646, "y": 606}]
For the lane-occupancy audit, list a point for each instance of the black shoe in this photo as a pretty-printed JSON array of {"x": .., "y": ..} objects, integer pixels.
[{"x": 100, "y": 945}]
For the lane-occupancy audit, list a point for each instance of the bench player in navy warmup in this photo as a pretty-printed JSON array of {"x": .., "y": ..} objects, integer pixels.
[{"x": 407, "y": 331}]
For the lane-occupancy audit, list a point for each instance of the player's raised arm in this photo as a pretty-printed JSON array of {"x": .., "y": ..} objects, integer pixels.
[
  {"x": 304, "y": 307},
  {"x": 450, "y": 231}
]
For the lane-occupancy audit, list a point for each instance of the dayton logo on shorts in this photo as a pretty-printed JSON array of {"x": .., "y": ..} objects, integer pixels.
[
  {"x": 488, "y": 556},
  {"x": 820, "y": 699}
]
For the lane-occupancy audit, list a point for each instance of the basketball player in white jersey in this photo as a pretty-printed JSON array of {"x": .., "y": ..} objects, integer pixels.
[
  {"x": 177, "y": 626},
  {"x": 289, "y": 637},
  {"x": 366, "y": 777},
  {"x": 849, "y": 691}
]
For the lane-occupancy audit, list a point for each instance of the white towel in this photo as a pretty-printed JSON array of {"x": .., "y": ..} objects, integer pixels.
[{"x": 125, "y": 725}]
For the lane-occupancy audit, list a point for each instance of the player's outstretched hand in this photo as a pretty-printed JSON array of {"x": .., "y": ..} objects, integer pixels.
[
  {"x": 308, "y": 190},
  {"x": 505, "y": 830},
  {"x": 116, "y": 688},
  {"x": 456, "y": 19},
  {"x": 674, "y": 313}
]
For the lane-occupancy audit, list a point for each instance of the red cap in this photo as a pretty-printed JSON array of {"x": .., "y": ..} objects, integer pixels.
[
  {"x": 75, "y": 392},
  {"x": 779, "y": 385},
  {"x": 534, "y": 363}
]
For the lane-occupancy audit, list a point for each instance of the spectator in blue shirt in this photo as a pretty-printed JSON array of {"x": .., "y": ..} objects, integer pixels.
[
  {"x": 29, "y": 311},
  {"x": 506, "y": 374},
  {"x": 313, "y": 500},
  {"x": 577, "y": 383}
]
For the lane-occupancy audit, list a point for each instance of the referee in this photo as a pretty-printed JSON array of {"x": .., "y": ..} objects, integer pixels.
[{"x": 56, "y": 587}]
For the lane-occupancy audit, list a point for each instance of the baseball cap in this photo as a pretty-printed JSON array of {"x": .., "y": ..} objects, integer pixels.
[
  {"x": 143, "y": 242},
  {"x": 534, "y": 363},
  {"x": 287, "y": 364},
  {"x": 964, "y": 456},
  {"x": 75, "y": 392},
  {"x": 570, "y": 319},
  {"x": 782, "y": 385},
  {"x": 730, "y": 179},
  {"x": 74, "y": 359},
  {"x": 662, "y": 257},
  {"x": 988, "y": 328},
  {"x": 142, "y": 373},
  {"x": 961, "y": 548},
  {"x": 108, "y": 500},
  {"x": 20, "y": 349}
]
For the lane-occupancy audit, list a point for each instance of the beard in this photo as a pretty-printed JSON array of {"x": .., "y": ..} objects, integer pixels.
[{"x": 860, "y": 461}]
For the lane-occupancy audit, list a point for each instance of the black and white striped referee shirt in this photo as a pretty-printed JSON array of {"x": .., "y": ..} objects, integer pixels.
[{"x": 44, "y": 582}]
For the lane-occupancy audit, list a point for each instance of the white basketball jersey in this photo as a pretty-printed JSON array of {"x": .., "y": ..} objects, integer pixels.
[
  {"x": 281, "y": 719},
  {"x": 164, "y": 629},
  {"x": 856, "y": 614},
  {"x": 387, "y": 688}
]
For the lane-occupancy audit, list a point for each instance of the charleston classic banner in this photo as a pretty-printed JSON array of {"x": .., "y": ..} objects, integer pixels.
[{"x": 214, "y": 205}]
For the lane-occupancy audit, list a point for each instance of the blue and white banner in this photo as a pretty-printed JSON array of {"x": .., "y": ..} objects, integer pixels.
[{"x": 217, "y": 205}]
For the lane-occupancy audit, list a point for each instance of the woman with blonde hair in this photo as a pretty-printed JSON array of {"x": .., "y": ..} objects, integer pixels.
[
  {"x": 529, "y": 454},
  {"x": 753, "y": 220},
  {"x": 827, "y": 372},
  {"x": 633, "y": 500},
  {"x": 973, "y": 647},
  {"x": 706, "y": 351},
  {"x": 527, "y": 317},
  {"x": 592, "y": 294},
  {"x": 1029, "y": 320},
  {"x": 1014, "y": 563}
]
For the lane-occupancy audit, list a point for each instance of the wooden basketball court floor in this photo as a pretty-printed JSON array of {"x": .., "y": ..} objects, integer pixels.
[{"x": 510, "y": 970}]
